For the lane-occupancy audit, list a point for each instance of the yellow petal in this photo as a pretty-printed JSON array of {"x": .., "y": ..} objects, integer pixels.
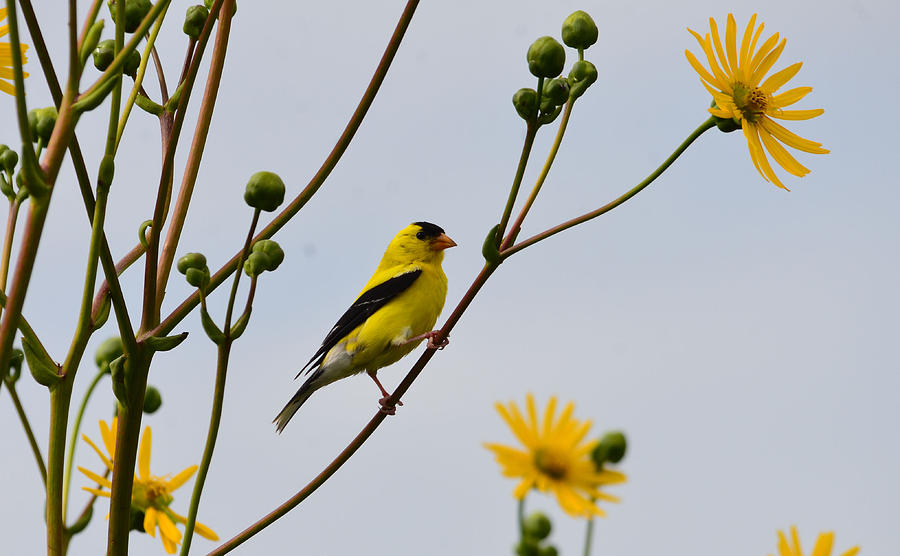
[
  {"x": 178, "y": 480},
  {"x": 108, "y": 435},
  {"x": 721, "y": 80},
  {"x": 744, "y": 60},
  {"x": 144, "y": 454},
  {"x": 789, "y": 97},
  {"x": 103, "y": 457},
  {"x": 731, "y": 44},
  {"x": 514, "y": 420},
  {"x": 532, "y": 412},
  {"x": 169, "y": 545},
  {"x": 99, "y": 479},
  {"x": 796, "y": 114},
  {"x": 700, "y": 69},
  {"x": 795, "y": 540},
  {"x": 824, "y": 544},
  {"x": 522, "y": 489},
  {"x": 96, "y": 492},
  {"x": 549, "y": 414},
  {"x": 767, "y": 64},
  {"x": 778, "y": 79},
  {"x": 150, "y": 521},
  {"x": 758, "y": 156},
  {"x": 763, "y": 52},
  {"x": 167, "y": 528},
  {"x": 205, "y": 531},
  {"x": 718, "y": 44},
  {"x": 852, "y": 552},
  {"x": 782, "y": 157},
  {"x": 749, "y": 60},
  {"x": 791, "y": 139}
]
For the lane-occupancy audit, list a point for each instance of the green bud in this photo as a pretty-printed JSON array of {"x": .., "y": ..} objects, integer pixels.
[
  {"x": 107, "y": 351},
  {"x": 265, "y": 255},
  {"x": 490, "y": 249},
  {"x": 725, "y": 125},
  {"x": 525, "y": 101},
  {"x": 194, "y": 20},
  {"x": 104, "y": 54},
  {"x": 44, "y": 370},
  {"x": 548, "y": 550},
  {"x": 9, "y": 159},
  {"x": 527, "y": 547},
  {"x": 165, "y": 343},
  {"x": 210, "y": 326},
  {"x": 135, "y": 11},
  {"x": 264, "y": 191},
  {"x": 209, "y": 5},
  {"x": 16, "y": 357},
  {"x": 537, "y": 526},
  {"x": 191, "y": 260},
  {"x": 582, "y": 76},
  {"x": 90, "y": 40},
  {"x": 132, "y": 63},
  {"x": 197, "y": 277},
  {"x": 556, "y": 93},
  {"x": 152, "y": 400},
  {"x": 41, "y": 122},
  {"x": 579, "y": 30},
  {"x": 611, "y": 449},
  {"x": 119, "y": 370},
  {"x": 546, "y": 57},
  {"x": 137, "y": 521},
  {"x": 148, "y": 105},
  {"x": 107, "y": 170}
]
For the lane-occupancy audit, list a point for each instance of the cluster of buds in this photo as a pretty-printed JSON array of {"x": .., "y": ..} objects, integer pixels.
[
  {"x": 610, "y": 449},
  {"x": 535, "y": 530},
  {"x": 135, "y": 11},
  {"x": 8, "y": 161},
  {"x": 41, "y": 122},
  {"x": 105, "y": 53},
  {"x": 194, "y": 20},
  {"x": 193, "y": 266},
  {"x": 546, "y": 59}
]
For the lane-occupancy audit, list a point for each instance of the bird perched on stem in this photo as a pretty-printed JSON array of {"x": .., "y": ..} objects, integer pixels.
[{"x": 396, "y": 310}]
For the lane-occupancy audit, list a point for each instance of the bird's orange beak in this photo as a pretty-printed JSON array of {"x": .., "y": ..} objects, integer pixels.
[{"x": 442, "y": 242}]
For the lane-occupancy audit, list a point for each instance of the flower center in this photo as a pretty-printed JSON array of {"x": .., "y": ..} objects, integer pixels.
[
  {"x": 751, "y": 102},
  {"x": 551, "y": 463},
  {"x": 150, "y": 493}
]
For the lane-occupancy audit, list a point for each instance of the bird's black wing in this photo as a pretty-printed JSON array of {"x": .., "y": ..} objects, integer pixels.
[{"x": 366, "y": 305}]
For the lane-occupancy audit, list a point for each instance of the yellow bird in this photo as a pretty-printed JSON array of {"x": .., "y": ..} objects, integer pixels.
[{"x": 396, "y": 310}]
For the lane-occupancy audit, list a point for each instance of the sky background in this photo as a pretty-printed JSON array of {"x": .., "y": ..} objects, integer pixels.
[{"x": 742, "y": 336}]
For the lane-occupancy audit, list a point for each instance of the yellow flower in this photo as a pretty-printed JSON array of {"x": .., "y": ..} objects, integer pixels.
[
  {"x": 150, "y": 494},
  {"x": 556, "y": 459},
  {"x": 6, "y": 62},
  {"x": 736, "y": 83},
  {"x": 823, "y": 545}
]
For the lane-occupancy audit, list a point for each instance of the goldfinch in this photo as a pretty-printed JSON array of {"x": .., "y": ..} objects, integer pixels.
[{"x": 396, "y": 310}]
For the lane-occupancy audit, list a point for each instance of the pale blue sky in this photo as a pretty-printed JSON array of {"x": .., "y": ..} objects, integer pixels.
[{"x": 742, "y": 336}]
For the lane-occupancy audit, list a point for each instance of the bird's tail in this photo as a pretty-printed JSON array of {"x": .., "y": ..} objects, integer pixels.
[{"x": 292, "y": 406}]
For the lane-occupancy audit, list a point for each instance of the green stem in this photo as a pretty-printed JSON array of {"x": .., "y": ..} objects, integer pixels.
[
  {"x": 314, "y": 184},
  {"x": 7, "y": 241},
  {"x": 195, "y": 154},
  {"x": 215, "y": 417},
  {"x": 517, "y": 225},
  {"x": 138, "y": 80},
  {"x": 530, "y": 134},
  {"x": 520, "y": 515},
  {"x": 60, "y": 397},
  {"x": 73, "y": 440},
  {"x": 35, "y": 449},
  {"x": 618, "y": 201},
  {"x": 589, "y": 536}
]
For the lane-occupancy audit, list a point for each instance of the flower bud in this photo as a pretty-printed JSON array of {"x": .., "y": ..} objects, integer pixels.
[
  {"x": 611, "y": 448},
  {"x": 197, "y": 277},
  {"x": 525, "y": 101},
  {"x": 90, "y": 41},
  {"x": 104, "y": 54},
  {"x": 548, "y": 550},
  {"x": 527, "y": 547},
  {"x": 107, "y": 351},
  {"x": 546, "y": 57},
  {"x": 152, "y": 400},
  {"x": 537, "y": 526},
  {"x": 16, "y": 357},
  {"x": 132, "y": 63},
  {"x": 265, "y": 255},
  {"x": 582, "y": 76},
  {"x": 191, "y": 260},
  {"x": 264, "y": 191},
  {"x": 41, "y": 122},
  {"x": 135, "y": 11},
  {"x": 8, "y": 159},
  {"x": 579, "y": 30},
  {"x": 194, "y": 20},
  {"x": 209, "y": 5},
  {"x": 556, "y": 93}
]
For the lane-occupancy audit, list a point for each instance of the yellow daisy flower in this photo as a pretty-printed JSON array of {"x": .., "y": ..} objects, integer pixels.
[
  {"x": 555, "y": 459},
  {"x": 823, "y": 547},
  {"x": 150, "y": 494},
  {"x": 6, "y": 62},
  {"x": 735, "y": 80}
]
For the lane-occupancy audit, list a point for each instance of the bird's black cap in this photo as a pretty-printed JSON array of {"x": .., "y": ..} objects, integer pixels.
[{"x": 431, "y": 230}]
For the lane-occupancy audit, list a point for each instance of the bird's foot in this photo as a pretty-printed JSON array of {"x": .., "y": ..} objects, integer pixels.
[
  {"x": 431, "y": 345},
  {"x": 386, "y": 408}
]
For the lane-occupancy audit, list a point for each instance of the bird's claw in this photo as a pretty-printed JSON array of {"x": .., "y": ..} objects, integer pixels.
[
  {"x": 431, "y": 345},
  {"x": 388, "y": 409}
]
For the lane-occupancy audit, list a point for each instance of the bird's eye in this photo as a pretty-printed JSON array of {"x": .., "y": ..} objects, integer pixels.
[{"x": 420, "y": 235}]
